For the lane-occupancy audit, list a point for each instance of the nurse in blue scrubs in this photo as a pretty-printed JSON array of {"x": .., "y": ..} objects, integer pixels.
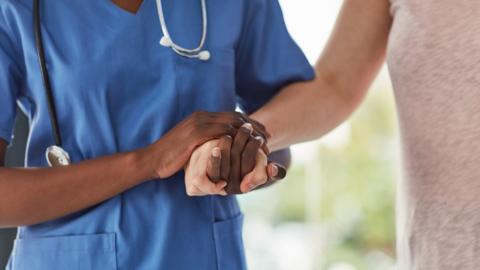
[{"x": 126, "y": 110}]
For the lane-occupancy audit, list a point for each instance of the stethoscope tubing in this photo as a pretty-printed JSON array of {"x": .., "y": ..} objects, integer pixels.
[
  {"x": 45, "y": 75},
  {"x": 55, "y": 154}
]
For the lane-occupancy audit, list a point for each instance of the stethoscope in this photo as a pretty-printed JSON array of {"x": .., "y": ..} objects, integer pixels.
[{"x": 55, "y": 154}]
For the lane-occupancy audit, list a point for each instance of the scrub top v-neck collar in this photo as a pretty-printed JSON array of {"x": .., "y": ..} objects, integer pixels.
[{"x": 139, "y": 6}]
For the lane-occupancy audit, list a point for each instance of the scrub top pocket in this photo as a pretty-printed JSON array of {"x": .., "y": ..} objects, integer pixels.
[
  {"x": 83, "y": 252},
  {"x": 229, "y": 244}
]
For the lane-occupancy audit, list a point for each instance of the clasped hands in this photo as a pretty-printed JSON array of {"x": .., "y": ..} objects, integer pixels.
[
  {"x": 232, "y": 165},
  {"x": 222, "y": 153}
]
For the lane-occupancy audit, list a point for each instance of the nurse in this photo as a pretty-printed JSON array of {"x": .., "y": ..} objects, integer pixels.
[{"x": 128, "y": 111}]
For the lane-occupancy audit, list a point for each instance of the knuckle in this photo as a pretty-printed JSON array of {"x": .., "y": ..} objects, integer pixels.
[
  {"x": 225, "y": 142},
  {"x": 191, "y": 191},
  {"x": 229, "y": 129},
  {"x": 238, "y": 122},
  {"x": 196, "y": 126}
]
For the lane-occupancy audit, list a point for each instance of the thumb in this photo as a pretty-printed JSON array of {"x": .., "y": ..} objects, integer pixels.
[{"x": 276, "y": 171}]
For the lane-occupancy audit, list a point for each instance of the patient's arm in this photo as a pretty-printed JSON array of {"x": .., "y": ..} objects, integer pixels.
[{"x": 354, "y": 54}]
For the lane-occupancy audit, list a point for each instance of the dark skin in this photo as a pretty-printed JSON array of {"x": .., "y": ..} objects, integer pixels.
[
  {"x": 237, "y": 159},
  {"x": 131, "y": 6},
  {"x": 35, "y": 195},
  {"x": 232, "y": 167}
]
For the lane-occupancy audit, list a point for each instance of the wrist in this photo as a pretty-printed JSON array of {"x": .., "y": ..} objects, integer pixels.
[
  {"x": 162, "y": 159},
  {"x": 142, "y": 161}
]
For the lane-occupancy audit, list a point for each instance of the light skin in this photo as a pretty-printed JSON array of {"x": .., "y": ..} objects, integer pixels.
[{"x": 345, "y": 70}]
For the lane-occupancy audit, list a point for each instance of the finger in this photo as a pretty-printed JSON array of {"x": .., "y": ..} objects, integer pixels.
[
  {"x": 212, "y": 131},
  {"x": 276, "y": 171},
  {"x": 254, "y": 179},
  {"x": 220, "y": 186},
  {"x": 235, "y": 158},
  {"x": 225, "y": 145},
  {"x": 206, "y": 187},
  {"x": 249, "y": 155},
  {"x": 264, "y": 145},
  {"x": 214, "y": 165},
  {"x": 257, "y": 126},
  {"x": 258, "y": 176},
  {"x": 193, "y": 191},
  {"x": 235, "y": 119}
]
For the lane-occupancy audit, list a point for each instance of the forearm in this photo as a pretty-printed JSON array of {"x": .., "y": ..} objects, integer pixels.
[
  {"x": 305, "y": 111},
  {"x": 345, "y": 70},
  {"x": 30, "y": 196}
]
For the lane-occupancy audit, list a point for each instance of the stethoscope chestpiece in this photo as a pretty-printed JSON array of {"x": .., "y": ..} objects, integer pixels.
[{"x": 56, "y": 156}]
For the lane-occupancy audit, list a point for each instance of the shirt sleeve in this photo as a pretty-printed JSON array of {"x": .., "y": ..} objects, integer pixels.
[
  {"x": 9, "y": 83},
  {"x": 267, "y": 56}
]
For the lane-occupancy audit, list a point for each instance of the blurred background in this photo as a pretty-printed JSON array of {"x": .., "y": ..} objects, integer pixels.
[{"x": 336, "y": 209}]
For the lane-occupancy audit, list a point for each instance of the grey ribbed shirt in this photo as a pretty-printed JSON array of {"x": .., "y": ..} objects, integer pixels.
[{"x": 434, "y": 63}]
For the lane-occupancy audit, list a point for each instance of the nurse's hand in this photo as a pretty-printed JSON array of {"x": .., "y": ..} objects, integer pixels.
[
  {"x": 242, "y": 163},
  {"x": 173, "y": 150}
]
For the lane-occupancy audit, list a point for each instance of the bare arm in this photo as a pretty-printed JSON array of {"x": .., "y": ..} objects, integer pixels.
[
  {"x": 29, "y": 196},
  {"x": 345, "y": 70},
  {"x": 35, "y": 195}
]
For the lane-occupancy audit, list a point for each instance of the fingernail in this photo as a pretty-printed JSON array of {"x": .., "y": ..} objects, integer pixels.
[
  {"x": 251, "y": 187},
  {"x": 273, "y": 170},
  {"x": 261, "y": 139},
  {"x": 216, "y": 152},
  {"x": 248, "y": 126}
]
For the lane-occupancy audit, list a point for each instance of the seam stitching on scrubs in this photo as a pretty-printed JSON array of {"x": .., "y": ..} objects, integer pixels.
[{"x": 20, "y": 69}]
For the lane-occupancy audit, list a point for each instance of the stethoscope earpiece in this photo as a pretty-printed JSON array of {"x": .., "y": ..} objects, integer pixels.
[
  {"x": 167, "y": 41},
  {"x": 204, "y": 55}
]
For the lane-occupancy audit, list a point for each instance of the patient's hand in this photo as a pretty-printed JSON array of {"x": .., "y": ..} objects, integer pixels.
[
  {"x": 231, "y": 166},
  {"x": 197, "y": 182}
]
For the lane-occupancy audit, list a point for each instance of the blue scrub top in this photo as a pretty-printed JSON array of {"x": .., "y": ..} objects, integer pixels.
[{"x": 116, "y": 89}]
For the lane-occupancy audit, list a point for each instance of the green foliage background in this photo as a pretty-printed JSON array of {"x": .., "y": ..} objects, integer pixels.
[{"x": 356, "y": 191}]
